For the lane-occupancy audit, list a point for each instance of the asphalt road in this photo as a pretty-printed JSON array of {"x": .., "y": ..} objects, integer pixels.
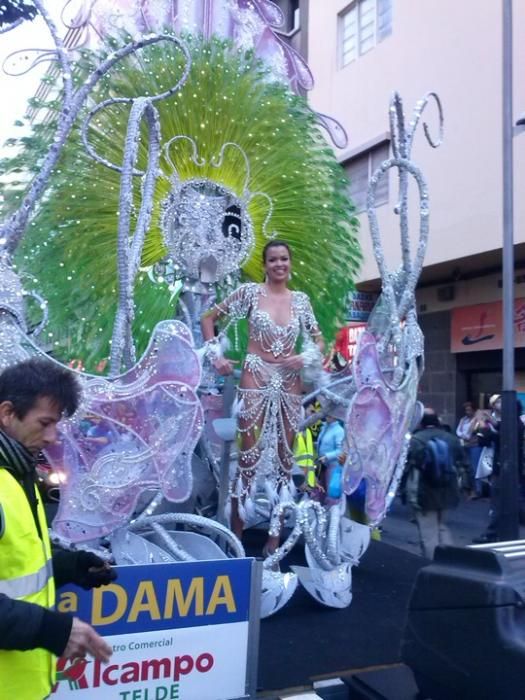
[{"x": 466, "y": 522}]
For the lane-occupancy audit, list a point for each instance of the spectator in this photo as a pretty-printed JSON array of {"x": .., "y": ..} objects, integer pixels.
[
  {"x": 489, "y": 436},
  {"x": 33, "y": 397},
  {"x": 329, "y": 449},
  {"x": 431, "y": 480},
  {"x": 466, "y": 432}
]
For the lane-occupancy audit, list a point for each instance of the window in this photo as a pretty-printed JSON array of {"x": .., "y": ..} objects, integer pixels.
[
  {"x": 361, "y": 26},
  {"x": 360, "y": 169}
]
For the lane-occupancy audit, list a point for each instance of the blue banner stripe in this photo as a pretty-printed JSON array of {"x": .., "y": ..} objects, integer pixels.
[{"x": 165, "y": 596}]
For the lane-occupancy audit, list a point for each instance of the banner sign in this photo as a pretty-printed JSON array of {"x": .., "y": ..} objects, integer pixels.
[
  {"x": 360, "y": 305},
  {"x": 178, "y": 631},
  {"x": 346, "y": 339},
  {"x": 480, "y": 327}
]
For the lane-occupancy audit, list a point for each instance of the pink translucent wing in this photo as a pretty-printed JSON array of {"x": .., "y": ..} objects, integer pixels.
[
  {"x": 175, "y": 431},
  {"x": 377, "y": 421},
  {"x": 335, "y": 129},
  {"x": 272, "y": 50},
  {"x": 365, "y": 367},
  {"x": 103, "y": 481},
  {"x": 268, "y": 10},
  {"x": 170, "y": 356},
  {"x": 138, "y": 432}
]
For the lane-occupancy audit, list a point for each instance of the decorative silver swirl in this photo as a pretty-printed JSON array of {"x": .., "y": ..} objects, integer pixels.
[
  {"x": 194, "y": 521},
  {"x": 217, "y": 161},
  {"x": 13, "y": 228},
  {"x": 268, "y": 216},
  {"x": 131, "y": 100},
  {"x": 122, "y": 347},
  {"x": 200, "y": 162}
]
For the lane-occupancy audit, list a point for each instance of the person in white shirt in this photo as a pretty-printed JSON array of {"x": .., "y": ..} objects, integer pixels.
[{"x": 466, "y": 432}]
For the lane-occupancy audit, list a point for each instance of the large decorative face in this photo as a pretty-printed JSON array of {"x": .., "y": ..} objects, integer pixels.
[{"x": 207, "y": 230}]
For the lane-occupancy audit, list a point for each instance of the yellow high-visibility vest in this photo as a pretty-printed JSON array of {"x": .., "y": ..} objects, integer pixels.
[
  {"x": 304, "y": 455},
  {"x": 26, "y": 573}
]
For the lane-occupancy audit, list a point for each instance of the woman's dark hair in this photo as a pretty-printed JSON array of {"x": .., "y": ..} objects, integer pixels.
[
  {"x": 274, "y": 244},
  {"x": 24, "y": 383}
]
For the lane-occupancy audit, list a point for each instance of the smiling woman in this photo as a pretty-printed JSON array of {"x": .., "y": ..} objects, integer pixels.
[{"x": 269, "y": 393}]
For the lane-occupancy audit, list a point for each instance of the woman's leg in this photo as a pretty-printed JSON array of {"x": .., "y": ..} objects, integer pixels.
[
  {"x": 288, "y": 419},
  {"x": 249, "y": 426}
]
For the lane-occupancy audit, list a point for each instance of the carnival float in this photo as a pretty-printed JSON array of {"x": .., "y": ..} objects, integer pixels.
[{"x": 174, "y": 144}]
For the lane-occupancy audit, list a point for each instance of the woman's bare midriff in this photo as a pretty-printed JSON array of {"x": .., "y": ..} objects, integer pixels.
[{"x": 256, "y": 349}]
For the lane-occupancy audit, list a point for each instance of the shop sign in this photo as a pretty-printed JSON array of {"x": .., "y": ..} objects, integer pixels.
[
  {"x": 179, "y": 632},
  {"x": 360, "y": 305},
  {"x": 480, "y": 327},
  {"x": 346, "y": 340}
]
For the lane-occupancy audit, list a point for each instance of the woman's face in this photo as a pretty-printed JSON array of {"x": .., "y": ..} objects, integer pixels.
[{"x": 277, "y": 264}]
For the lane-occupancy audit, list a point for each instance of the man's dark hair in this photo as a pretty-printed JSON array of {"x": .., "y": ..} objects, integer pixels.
[
  {"x": 430, "y": 419},
  {"x": 24, "y": 383}
]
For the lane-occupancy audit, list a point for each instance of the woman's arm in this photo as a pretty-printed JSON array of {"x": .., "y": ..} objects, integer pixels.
[
  {"x": 221, "y": 364},
  {"x": 208, "y": 321},
  {"x": 235, "y": 306}
]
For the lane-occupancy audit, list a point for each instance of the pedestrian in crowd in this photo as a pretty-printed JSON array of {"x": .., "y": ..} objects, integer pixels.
[
  {"x": 489, "y": 436},
  {"x": 34, "y": 395},
  {"x": 466, "y": 432},
  {"x": 431, "y": 480},
  {"x": 329, "y": 449}
]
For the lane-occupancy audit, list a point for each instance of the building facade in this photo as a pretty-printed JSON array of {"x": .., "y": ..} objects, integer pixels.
[{"x": 362, "y": 51}]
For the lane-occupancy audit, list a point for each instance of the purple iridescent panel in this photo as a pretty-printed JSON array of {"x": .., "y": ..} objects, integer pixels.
[
  {"x": 133, "y": 433},
  {"x": 377, "y": 422}
]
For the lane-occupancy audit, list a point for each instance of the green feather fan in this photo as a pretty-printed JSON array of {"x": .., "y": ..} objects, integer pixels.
[{"x": 70, "y": 247}]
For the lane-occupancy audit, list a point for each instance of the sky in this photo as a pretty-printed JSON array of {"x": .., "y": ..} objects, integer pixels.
[{"x": 15, "y": 91}]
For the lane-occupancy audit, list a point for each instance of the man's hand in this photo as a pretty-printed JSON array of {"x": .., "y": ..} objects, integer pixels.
[
  {"x": 84, "y": 640},
  {"x": 92, "y": 572}
]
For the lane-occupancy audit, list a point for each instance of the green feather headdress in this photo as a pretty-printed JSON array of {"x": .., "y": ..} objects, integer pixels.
[{"x": 229, "y": 96}]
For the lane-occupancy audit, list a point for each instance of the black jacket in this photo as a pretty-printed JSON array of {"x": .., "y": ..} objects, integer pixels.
[
  {"x": 419, "y": 493},
  {"x": 490, "y": 437}
]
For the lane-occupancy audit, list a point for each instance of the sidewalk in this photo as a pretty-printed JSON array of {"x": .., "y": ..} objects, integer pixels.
[{"x": 467, "y": 521}]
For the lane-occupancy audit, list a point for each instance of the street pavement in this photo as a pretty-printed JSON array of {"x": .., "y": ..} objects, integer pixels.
[{"x": 467, "y": 521}]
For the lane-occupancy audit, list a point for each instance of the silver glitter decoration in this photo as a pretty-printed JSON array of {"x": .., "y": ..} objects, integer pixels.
[{"x": 207, "y": 228}]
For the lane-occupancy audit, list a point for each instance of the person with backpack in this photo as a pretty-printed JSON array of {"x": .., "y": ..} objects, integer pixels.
[{"x": 431, "y": 481}]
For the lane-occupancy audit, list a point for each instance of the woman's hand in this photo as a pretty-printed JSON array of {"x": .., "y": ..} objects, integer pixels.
[
  {"x": 223, "y": 366},
  {"x": 295, "y": 362}
]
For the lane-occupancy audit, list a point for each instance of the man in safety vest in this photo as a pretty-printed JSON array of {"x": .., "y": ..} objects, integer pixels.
[
  {"x": 34, "y": 395},
  {"x": 304, "y": 450},
  {"x": 304, "y": 455}
]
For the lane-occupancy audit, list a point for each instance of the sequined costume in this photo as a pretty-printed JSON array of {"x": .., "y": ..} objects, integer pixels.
[{"x": 269, "y": 395}]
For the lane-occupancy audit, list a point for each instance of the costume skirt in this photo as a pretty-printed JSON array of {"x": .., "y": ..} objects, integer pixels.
[{"x": 269, "y": 415}]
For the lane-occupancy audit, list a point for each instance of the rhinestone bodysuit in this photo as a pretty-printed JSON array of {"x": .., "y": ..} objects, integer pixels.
[{"x": 270, "y": 410}]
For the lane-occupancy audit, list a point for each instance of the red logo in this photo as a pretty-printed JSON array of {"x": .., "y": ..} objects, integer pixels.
[{"x": 73, "y": 671}]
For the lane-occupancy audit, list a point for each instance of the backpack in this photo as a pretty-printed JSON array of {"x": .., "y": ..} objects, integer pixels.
[{"x": 438, "y": 468}]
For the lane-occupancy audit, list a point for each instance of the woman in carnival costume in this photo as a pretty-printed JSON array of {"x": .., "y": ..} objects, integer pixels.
[{"x": 270, "y": 387}]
